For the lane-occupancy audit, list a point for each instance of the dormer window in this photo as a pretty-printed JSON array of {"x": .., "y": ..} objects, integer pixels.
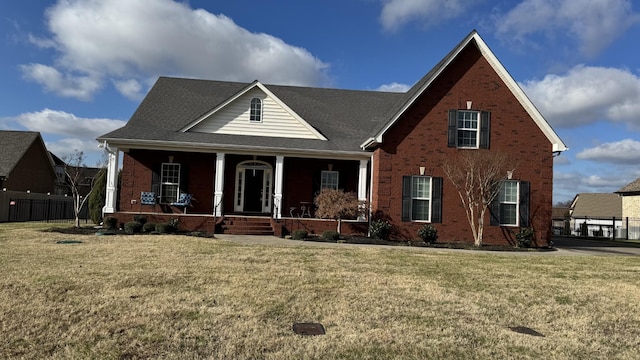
[{"x": 255, "y": 113}]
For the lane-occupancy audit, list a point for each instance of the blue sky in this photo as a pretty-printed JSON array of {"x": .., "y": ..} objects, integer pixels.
[{"x": 74, "y": 70}]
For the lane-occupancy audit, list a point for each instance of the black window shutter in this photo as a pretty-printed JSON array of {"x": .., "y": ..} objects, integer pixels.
[
  {"x": 494, "y": 210},
  {"x": 406, "y": 198},
  {"x": 453, "y": 129},
  {"x": 436, "y": 200},
  {"x": 184, "y": 179},
  {"x": 524, "y": 203},
  {"x": 485, "y": 129},
  {"x": 155, "y": 179}
]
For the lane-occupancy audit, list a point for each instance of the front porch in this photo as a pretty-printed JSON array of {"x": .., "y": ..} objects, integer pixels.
[
  {"x": 231, "y": 193},
  {"x": 246, "y": 224}
]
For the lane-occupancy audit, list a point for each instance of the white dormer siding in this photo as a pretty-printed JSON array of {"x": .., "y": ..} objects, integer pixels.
[{"x": 234, "y": 119}]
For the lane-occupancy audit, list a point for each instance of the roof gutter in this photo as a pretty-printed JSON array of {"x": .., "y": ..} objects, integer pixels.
[{"x": 239, "y": 149}]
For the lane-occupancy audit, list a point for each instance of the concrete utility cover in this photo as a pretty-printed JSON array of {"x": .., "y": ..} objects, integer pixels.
[
  {"x": 308, "y": 329},
  {"x": 68, "y": 242}
]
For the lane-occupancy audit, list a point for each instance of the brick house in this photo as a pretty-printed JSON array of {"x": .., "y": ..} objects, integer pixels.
[
  {"x": 248, "y": 151},
  {"x": 25, "y": 164}
]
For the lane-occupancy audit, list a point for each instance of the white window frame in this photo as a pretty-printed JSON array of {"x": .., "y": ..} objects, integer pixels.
[
  {"x": 329, "y": 179},
  {"x": 255, "y": 110},
  {"x": 165, "y": 183},
  {"x": 467, "y": 129},
  {"x": 502, "y": 199},
  {"x": 415, "y": 197}
]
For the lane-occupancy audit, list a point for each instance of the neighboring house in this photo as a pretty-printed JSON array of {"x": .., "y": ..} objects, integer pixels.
[
  {"x": 247, "y": 151},
  {"x": 63, "y": 187},
  {"x": 592, "y": 214},
  {"x": 25, "y": 164},
  {"x": 630, "y": 194}
]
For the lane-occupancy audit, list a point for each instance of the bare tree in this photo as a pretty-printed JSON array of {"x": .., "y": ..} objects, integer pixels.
[
  {"x": 478, "y": 175},
  {"x": 337, "y": 204},
  {"x": 80, "y": 180}
]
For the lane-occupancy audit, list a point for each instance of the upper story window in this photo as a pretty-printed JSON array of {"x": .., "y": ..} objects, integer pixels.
[
  {"x": 469, "y": 129},
  {"x": 255, "y": 112},
  {"x": 329, "y": 180}
]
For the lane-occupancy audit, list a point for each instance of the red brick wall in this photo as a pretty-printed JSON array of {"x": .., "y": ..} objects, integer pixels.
[
  {"x": 419, "y": 138},
  {"x": 137, "y": 175}
]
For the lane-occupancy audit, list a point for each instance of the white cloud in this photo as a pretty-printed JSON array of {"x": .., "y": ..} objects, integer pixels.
[
  {"x": 587, "y": 94},
  {"x": 66, "y": 124},
  {"x": 67, "y": 85},
  {"x": 620, "y": 152},
  {"x": 129, "y": 41},
  {"x": 396, "y": 13},
  {"x": 131, "y": 88},
  {"x": 594, "y": 24},
  {"x": 394, "y": 87}
]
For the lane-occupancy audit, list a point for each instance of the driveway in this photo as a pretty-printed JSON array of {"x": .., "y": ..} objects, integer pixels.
[{"x": 577, "y": 246}]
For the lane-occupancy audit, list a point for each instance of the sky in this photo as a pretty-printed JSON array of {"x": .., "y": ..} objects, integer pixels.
[{"x": 76, "y": 69}]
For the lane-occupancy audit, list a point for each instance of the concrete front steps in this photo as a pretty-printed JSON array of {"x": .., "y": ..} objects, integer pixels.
[{"x": 247, "y": 226}]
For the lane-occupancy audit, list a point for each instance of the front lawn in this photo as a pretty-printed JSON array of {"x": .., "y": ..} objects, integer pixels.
[{"x": 172, "y": 296}]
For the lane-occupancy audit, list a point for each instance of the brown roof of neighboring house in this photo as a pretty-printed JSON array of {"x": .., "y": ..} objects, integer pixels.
[
  {"x": 13, "y": 146},
  {"x": 559, "y": 212},
  {"x": 603, "y": 205},
  {"x": 630, "y": 188}
]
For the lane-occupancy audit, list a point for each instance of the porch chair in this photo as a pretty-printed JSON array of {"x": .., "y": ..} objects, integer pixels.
[
  {"x": 183, "y": 201},
  {"x": 148, "y": 198}
]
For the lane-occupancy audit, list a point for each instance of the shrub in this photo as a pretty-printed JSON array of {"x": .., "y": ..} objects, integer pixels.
[
  {"x": 428, "y": 233},
  {"x": 525, "y": 237},
  {"x": 140, "y": 219},
  {"x": 111, "y": 223},
  {"x": 165, "y": 228},
  {"x": 380, "y": 229},
  {"x": 96, "y": 198},
  {"x": 299, "y": 234},
  {"x": 132, "y": 227},
  {"x": 338, "y": 205},
  {"x": 330, "y": 235},
  {"x": 148, "y": 227}
]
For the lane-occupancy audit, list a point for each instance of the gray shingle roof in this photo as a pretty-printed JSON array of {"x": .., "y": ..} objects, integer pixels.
[
  {"x": 345, "y": 117},
  {"x": 13, "y": 145},
  {"x": 597, "y": 205},
  {"x": 630, "y": 188}
]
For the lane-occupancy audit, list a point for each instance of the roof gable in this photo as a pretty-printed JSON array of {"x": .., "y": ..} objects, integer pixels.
[
  {"x": 473, "y": 39},
  {"x": 232, "y": 117},
  {"x": 13, "y": 146}
]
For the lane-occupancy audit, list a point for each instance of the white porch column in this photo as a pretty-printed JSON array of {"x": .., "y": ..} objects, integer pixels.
[
  {"x": 111, "y": 190},
  {"x": 218, "y": 185},
  {"x": 362, "y": 185},
  {"x": 277, "y": 188}
]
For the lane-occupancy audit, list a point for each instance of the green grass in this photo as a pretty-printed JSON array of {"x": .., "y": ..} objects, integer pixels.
[{"x": 184, "y": 297}]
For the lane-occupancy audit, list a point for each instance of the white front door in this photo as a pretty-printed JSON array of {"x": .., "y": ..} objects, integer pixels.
[{"x": 253, "y": 187}]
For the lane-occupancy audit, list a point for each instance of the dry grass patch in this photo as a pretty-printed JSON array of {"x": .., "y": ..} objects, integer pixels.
[{"x": 174, "y": 297}]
